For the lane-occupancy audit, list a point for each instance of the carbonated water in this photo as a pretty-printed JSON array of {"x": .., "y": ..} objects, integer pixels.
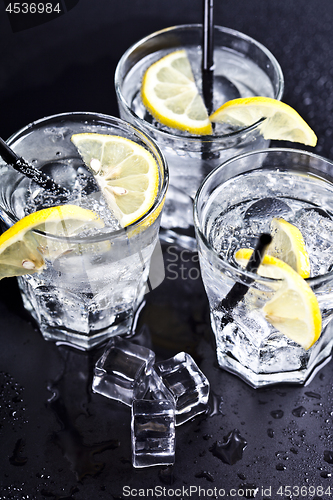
[
  {"x": 93, "y": 287},
  {"x": 189, "y": 158},
  {"x": 237, "y": 213}
]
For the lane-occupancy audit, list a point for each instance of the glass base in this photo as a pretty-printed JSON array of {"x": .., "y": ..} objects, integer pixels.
[
  {"x": 257, "y": 380},
  {"x": 124, "y": 324},
  {"x": 306, "y": 366}
]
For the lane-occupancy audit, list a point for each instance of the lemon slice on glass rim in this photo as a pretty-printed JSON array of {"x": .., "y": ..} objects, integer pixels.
[
  {"x": 288, "y": 245},
  {"x": 170, "y": 94},
  {"x": 282, "y": 121},
  {"x": 293, "y": 309},
  {"x": 22, "y": 251},
  {"x": 125, "y": 171}
]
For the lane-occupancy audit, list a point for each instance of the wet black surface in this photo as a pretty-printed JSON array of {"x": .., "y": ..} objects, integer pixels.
[
  {"x": 61, "y": 441},
  {"x": 57, "y": 439}
]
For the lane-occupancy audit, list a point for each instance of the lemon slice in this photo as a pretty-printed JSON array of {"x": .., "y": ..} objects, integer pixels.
[
  {"x": 171, "y": 96},
  {"x": 282, "y": 121},
  {"x": 126, "y": 173},
  {"x": 20, "y": 249},
  {"x": 288, "y": 245},
  {"x": 294, "y": 309}
]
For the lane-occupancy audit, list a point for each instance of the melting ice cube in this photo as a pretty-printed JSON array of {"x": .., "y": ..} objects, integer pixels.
[
  {"x": 153, "y": 432},
  {"x": 180, "y": 379},
  {"x": 122, "y": 371}
]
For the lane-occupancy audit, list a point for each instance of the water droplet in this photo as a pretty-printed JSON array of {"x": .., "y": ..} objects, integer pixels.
[
  {"x": 206, "y": 475},
  {"x": 270, "y": 433},
  {"x": 300, "y": 411},
  {"x": 280, "y": 467},
  {"x": 325, "y": 474},
  {"x": 231, "y": 450},
  {"x": 16, "y": 459},
  {"x": 215, "y": 404},
  {"x": 328, "y": 456},
  {"x": 248, "y": 490},
  {"x": 166, "y": 475},
  {"x": 311, "y": 394},
  {"x": 277, "y": 413}
]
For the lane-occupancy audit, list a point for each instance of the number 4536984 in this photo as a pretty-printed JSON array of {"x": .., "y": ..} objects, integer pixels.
[
  {"x": 305, "y": 491},
  {"x": 33, "y": 8}
]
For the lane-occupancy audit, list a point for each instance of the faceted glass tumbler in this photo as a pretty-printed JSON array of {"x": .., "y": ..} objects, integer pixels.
[
  {"x": 185, "y": 383},
  {"x": 153, "y": 432},
  {"x": 122, "y": 371}
]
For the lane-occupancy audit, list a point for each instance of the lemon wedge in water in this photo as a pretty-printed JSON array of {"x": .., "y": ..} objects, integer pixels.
[
  {"x": 294, "y": 308},
  {"x": 282, "y": 121},
  {"x": 170, "y": 94},
  {"x": 20, "y": 249},
  {"x": 125, "y": 171},
  {"x": 288, "y": 245}
]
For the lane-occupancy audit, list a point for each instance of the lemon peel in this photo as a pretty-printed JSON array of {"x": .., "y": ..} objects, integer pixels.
[
  {"x": 21, "y": 251},
  {"x": 288, "y": 245},
  {"x": 282, "y": 121},
  {"x": 125, "y": 171},
  {"x": 170, "y": 94}
]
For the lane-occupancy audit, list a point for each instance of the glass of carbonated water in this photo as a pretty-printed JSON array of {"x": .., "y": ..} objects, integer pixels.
[
  {"x": 94, "y": 282},
  {"x": 242, "y": 68},
  {"x": 234, "y": 205}
]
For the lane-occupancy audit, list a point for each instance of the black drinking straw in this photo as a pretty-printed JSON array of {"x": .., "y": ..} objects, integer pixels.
[
  {"x": 28, "y": 170},
  {"x": 208, "y": 54},
  {"x": 238, "y": 291}
]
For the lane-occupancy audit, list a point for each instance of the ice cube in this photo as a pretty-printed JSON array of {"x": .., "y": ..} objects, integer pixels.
[
  {"x": 153, "y": 432},
  {"x": 317, "y": 231},
  {"x": 180, "y": 378},
  {"x": 266, "y": 208},
  {"x": 122, "y": 372}
]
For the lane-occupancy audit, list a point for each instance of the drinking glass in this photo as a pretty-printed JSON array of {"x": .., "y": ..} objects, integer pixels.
[
  {"x": 233, "y": 206},
  {"x": 243, "y": 67},
  {"x": 93, "y": 283}
]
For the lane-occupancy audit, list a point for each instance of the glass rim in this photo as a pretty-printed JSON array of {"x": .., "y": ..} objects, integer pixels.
[
  {"x": 151, "y": 145},
  {"x": 202, "y": 138},
  {"x": 198, "y": 226}
]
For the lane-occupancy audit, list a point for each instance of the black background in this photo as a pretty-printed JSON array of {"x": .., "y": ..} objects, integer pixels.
[{"x": 59, "y": 441}]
